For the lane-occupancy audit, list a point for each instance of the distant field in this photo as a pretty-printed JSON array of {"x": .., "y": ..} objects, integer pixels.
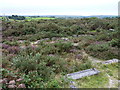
[
  {"x": 0, "y": 17},
  {"x": 30, "y": 18}
]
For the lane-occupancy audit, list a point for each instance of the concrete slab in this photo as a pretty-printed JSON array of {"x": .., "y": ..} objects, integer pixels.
[
  {"x": 84, "y": 73},
  {"x": 111, "y": 61}
]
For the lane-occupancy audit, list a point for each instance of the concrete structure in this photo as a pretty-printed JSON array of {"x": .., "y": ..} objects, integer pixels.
[
  {"x": 111, "y": 61},
  {"x": 84, "y": 73}
]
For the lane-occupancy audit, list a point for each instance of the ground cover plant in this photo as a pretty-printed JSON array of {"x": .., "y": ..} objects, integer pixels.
[{"x": 41, "y": 52}]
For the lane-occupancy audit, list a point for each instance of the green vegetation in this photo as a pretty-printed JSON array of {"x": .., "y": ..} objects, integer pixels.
[
  {"x": 0, "y": 18},
  {"x": 97, "y": 81},
  {"x": 38, "y": 18},
  {"x": 42, "y": 50},
  {"x": 15, "y": 17}
]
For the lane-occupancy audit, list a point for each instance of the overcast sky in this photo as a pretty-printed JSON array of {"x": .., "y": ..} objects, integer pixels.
[{"x": 59, "y": 7}]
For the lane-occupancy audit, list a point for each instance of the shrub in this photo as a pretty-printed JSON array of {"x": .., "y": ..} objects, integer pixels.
[
  {"x": 11, "y": 43},
  {"x": 98, "y": 47},
  {"x": 32, "y": 80},
  {"x": 63, "y": 47},
  {"x": 30, "y": 30},
  {"x": 53, "y": 84},
  {"x": 26, "y": 63},
  {"x": 114, "y": 42}
]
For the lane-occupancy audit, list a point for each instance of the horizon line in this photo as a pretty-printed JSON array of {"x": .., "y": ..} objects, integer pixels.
[{"x": 57, "y": 15}]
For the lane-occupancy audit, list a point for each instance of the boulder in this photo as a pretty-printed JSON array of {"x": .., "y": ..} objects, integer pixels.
[
  {"x": 4, "y": 81},
  {"x": 78, "y": 56},
  {"x": 75, "y": 44},
  {"x": 12, "y": 86},
  {"x": 20, "y": 79},
  {"x": 21, "y": 86},
  {"x": 12, "y": 82},
  {"x": 73, "y": 50}
]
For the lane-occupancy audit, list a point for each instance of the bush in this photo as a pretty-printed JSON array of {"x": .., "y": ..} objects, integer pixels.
[
  {"x": 26, "y": 63},
  {"x": 98, "y": 47},
  {"x": 63, "y": 47},
  {"x": 53, "y": 84},
  {"x": 114, "y": 42},
  {"x": 32, "y": 80}
]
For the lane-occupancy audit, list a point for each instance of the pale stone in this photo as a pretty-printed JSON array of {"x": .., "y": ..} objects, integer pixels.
[
  {"x": 3, "y": 80},
  {"x": 20, "y": 79},
  {"x": 12, "y": 86},
  {"x": 21, "y": 86},
  {"x": 75, "y": 44},
  {"x": 79, "y": 56},
  {"x": 111, "y": 61},
  {"x": 84, "y": 73},
  {"x": 12, "y": 82}
]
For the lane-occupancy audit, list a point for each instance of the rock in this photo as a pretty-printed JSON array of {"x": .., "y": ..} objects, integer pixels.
[
  {"x": 84, "y": 73},
  {"x": 79, "y": 56},
  {"x": 23, "y": 47},
  {"x": 54, "y": 38},
  {"x": 21, "y": 41},
  {"x": 74, "y": 35},
  {"x": 111, "y": 29},
  {"x": 33, "y": 46},
  {"x": 20, "y": 79},
  {"x": 12, "y": 82},
  {"x": 66, "y": 39},
  {"x": 111, "y": 61},
  {"x": 5, "y": 46},
  {"x": 5, "y": 80},
  {"x": 12, "y": 86},
  {"x": 36, "y": 42},
  {"x": 51, "y": 55},
  {"x": 1, "y": 81},
  {"x": 72, "y": 82},
  {"x": 21, "y": 86},
  {"x": 75, "y": 44},
  {"x": 73, "y": 50},
  {"x": 72, "y": 86}
]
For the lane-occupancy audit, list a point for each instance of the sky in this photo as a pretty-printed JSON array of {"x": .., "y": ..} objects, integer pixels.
[{"x": 59, "y": 7}]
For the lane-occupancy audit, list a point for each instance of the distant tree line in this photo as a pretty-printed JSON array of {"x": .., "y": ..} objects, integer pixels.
[{"x": 16, "y": 17}]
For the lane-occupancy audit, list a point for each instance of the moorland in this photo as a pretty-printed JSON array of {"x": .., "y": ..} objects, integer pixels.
[{"x": 38, "y": 53}]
